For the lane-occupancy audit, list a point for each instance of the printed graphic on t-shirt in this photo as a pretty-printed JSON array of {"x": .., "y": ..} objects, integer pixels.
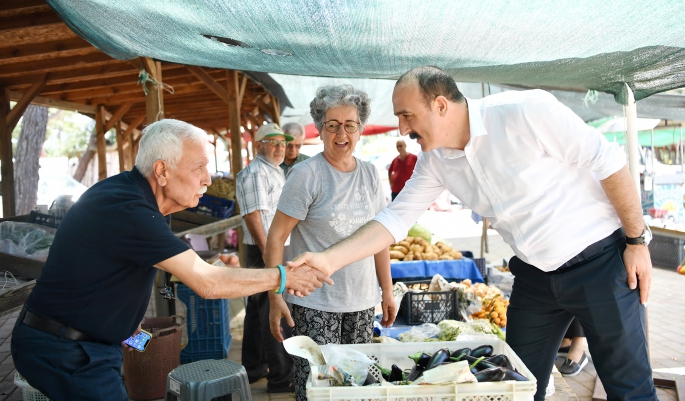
[{"x": 348, "y": 217}]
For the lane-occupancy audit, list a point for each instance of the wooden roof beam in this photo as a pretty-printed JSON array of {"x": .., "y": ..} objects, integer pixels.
[
  {"x": 214, "y": 86},
  {"x": 18, "y": 110},
  {"x": 55, "y": 64},
  {"x": 59, "y": 104},
  {"x": 30, "y": 20},
  {"x": 117, "y": 116},
  {"x": 133, "y": 127},
  {"x": 115, "y": 68},
  {"x": 12, "y": 5},
  {"x": 53, "y": 48}
]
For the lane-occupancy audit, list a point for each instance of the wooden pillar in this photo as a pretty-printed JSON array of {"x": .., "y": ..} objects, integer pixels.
[
  {"x": 100, "y": 142},
  {"x": 120, "y": 147},
  {"x": 234, "y": 121},
  {"x": 154, "y": 101},
  {"x": 276, "y": 106},
  {"x": 8, "y": 207}
]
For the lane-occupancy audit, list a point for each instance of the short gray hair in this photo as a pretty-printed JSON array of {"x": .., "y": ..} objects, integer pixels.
[
  {"x": 328, "y": 97},
  {"x": 163, "y": 140},
  {"x": 293, "y": 129}
]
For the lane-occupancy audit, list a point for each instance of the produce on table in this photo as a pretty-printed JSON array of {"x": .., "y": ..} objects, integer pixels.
[
  {"x": 419, "y": 248},
  {"x": 484, "y": 326},
  {"x": 222, "y": 188},
  {"x": 417, "y": 230},
  {"x": 495, "y": 310},
  {"x": 450, "y": 329},
  {"x": 484, "y": 369}
]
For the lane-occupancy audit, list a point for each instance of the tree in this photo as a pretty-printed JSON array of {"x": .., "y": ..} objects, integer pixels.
[{"x": 26, "y": 159}]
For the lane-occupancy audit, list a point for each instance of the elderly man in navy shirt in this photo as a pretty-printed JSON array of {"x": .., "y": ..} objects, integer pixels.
[{"x": 96, "y": 283}]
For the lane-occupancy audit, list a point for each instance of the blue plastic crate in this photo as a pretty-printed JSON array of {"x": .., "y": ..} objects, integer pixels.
[
  {"x": 215, "y": 207},
  {"x": 208, "y": 325}
]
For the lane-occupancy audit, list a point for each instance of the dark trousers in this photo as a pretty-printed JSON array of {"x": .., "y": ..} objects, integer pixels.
[
  {"x": 393, "y": 195},
  {"x": 596, "y": 292},
  {"x": 260, "y": 348},
  {"x": 574, "y": 330},
  {"x": 64, "y": 369}
]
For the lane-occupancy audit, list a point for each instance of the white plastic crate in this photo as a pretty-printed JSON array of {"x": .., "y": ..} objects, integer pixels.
[
  {"x": 398, "y": 354},
  {"x": 29, "y": 393}
]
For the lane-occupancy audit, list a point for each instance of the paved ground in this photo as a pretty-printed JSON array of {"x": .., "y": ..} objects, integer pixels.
[{"x": 666, "y": 314}]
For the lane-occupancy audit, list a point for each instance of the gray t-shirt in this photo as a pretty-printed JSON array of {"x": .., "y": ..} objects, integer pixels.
[{"x": 331, "y": 206}]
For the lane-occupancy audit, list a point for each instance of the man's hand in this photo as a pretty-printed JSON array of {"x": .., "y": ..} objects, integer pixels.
[
  {"x": 639, "y": 267},
  {"x": 317, "y": 260},
  {"x": 304, "y": 279},
  {"x": 135, "y": 333},
  {"x": 279, "y": 309},
  {"x": 389, "y": 309}
]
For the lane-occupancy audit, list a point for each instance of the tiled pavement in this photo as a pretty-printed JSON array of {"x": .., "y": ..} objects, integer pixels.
[{"x": 666, "y": 314}]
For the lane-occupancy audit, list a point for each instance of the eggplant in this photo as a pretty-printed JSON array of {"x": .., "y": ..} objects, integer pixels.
[
  {"x": 501, "y": 360},
  {"x": 396, "y": 374},
  {"x": 460, "y": 352},
  {"x": 512, "y": 375},
  {"x": 416, "y": 372},
  {"x": 442, "y": 355},
  {"x": 483, "y": 350},
  {"x": 384, "y": 372},
  {"x": 370, "y": 379},
  {"x": 483, "y": 364},
  {"x": 495, "y": 374},
  {"x": 420, "y": 358}
]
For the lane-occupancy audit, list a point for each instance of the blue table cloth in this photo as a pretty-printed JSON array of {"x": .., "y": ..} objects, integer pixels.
[{"x": 463, "y": 269}]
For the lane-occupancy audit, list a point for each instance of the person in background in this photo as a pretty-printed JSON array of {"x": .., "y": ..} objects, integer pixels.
[
  {"x": 557, "y": 192},
  {"x": 572, "y": 347},
  {"x": 292, "y": 149},
  {"x": 96, "y": 283},
  {"x": 258, "y": 189},
  {"x": 325, "y": 199},
  {"x": 400, "y": 169}
]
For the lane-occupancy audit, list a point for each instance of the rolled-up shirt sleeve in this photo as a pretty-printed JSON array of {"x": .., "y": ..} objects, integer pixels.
[
  {"x": 565, "y": 136},
  {"x": 422, "y": 189}
]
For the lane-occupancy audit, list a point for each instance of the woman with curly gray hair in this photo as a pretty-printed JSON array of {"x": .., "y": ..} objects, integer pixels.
[{"x": 325, "y": 199}]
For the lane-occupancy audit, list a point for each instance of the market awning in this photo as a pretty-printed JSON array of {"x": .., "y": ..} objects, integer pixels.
[{"x": 585, "y": 44}]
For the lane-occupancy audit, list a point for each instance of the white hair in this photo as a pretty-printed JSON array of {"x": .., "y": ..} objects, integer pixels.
[
  {"x": 163, "y": 140},
  {"x": 294, "y": 129}
]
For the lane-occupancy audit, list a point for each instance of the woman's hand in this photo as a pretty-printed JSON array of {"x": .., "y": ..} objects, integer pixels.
[
  {"x": 389, "y": 309},
  {"x": 278, "y": 309}
]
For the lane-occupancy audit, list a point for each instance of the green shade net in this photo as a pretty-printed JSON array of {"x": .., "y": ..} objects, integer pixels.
[
  {"x": 581, "y": 44},
  {"x": 662, "y": 137}
]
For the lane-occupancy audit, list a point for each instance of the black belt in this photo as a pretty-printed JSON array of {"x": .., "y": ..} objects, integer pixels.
[
  {"x": 56, "y": 328},
  {"x": 592, "y": 250}
]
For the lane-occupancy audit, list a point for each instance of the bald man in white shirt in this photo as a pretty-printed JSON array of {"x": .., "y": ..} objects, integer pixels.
[{"x": 559, "y": 194}]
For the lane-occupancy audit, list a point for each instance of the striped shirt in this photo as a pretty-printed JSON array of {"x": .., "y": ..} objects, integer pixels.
[{"x": 258, "y": 187}]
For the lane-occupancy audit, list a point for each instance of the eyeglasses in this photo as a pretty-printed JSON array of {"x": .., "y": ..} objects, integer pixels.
[
  {"x": 275, "y": 142},
  {"x": 291, "y": 145},
  {"x": 333, "y": 126},
  {"x": 166, "y": 292}
]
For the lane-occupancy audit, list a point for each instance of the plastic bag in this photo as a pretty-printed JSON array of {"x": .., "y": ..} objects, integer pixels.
[
  {"x": 26, "y": 240},
  {"x": 353, "y": 364},
  {"x": 398, "y": 291},
  {"x": 450, "y": 329},
  {"x": 419, "y": 333}
]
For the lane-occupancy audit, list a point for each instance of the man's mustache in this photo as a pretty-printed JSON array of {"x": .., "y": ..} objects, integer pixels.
[{"x": 414, "y": 136}]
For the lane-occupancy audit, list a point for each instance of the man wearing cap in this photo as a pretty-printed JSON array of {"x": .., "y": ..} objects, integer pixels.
[
  {"x": 292, "y": 150},
  {"x": 258, "y": 188}
]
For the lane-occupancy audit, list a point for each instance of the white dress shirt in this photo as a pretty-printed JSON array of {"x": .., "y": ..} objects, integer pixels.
[{"x": 532, "y": 167}]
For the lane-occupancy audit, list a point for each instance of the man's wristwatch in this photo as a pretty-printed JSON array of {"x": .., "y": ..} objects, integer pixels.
[{"x": 643, "y": 239}]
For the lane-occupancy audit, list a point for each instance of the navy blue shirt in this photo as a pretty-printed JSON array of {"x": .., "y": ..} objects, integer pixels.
[{"x": 99, "y": 272}]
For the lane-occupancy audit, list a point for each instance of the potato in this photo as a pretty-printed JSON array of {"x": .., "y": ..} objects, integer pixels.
[
  {"x": 396, "y": 255},
  {"x": 456, "y": 254},
  {"x": 428, "y": 248},
  {"x": 430, "y": 256},
  {"x": 417, "y": 248},
  {"x": 445, "y": 257},
  {"x": 405, "y": 244},
  {"x": 394, "y": 260},
  {"x": 400, "y": 248},
  {"x": 437, "y": 250},
  {"x": 409, "y": 257},
  {"x": 410, "y": 240},
  {"x": 417, "y": 256}
]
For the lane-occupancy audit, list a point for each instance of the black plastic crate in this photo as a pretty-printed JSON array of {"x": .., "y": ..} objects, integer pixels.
[
  {"x": 214, "y": 206},
  {"x": 480, "y": 264},
  {"x": 44, "y": 219},
  {"x": 429, "y": 307},
  {"x": 666, "y": 251}
]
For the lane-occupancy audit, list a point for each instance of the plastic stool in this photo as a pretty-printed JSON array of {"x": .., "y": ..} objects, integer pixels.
[{"x": 208, "y": 380}]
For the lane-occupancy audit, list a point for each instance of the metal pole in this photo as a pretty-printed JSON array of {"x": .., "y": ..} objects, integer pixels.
[
  {"x": 631, "y": 139},
  {"x": 681, "y": 149},
  {"x": 652, "y": 153}
]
